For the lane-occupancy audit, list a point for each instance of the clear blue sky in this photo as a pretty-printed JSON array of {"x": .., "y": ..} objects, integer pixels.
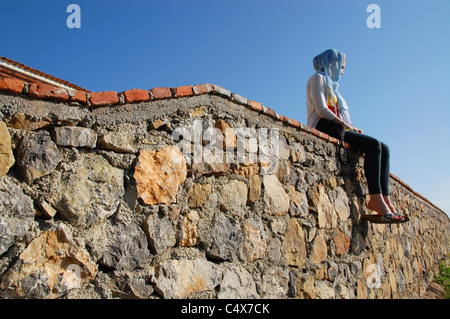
[{"x": 396, "y": 81}]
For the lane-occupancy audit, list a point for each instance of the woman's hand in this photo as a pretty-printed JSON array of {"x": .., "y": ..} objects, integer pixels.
[{"x": 347, "y": 127}]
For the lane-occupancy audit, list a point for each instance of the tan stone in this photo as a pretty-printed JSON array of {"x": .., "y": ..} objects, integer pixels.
[
  {"x": 380, "y": 228},
  {"x": 180, "y": 278},
  {"x": 342, "y": 243},
  {"x": 210, "y": 168},
  {"x": 320, "y": 273},
  {"x": 228, "y": 139},
  {"x": 331, "y": 182},
  {"x": 386, "y": 290},
  {"x": 159, "y": 174},
  {"x": 46, "y": 210},
  {"x": 324, "y": 291},
  {"x": 24, "y": 122},
  {"x": 233, "y": 195},
  {"x": 246, "y": 170},
  {"x": 275, "y": 197},
  {"x": 174, "y": 212},
  {"x": 361, "y": 290},
  {"x": 341, "y": 204},
  {"x": 255, "y": 241},
  {"x": 294, "y": 245},
  {"x": 298, "y": 153},
  {"x": 189, "y": 230},
  {"x": 327, "y": 217},
  {"x": 305, "y": 289},
  {"x": 300, "y": 200},
  {"x": 160, "y": 124},
  {"x": 368, "y": 268},
  {"x": 254, "y": 189},
  {"x": 198, "y": 112},
  {"x": 319, "y": 248},
  {"x": 198, "y": 195},
  {"x": 284, "y": 171},
  {"x": 6, "y": 154},
  {"x": 54, "y": 263},
  {"x": 117, "y": 141},
  {"x": 392, "y": 282}
]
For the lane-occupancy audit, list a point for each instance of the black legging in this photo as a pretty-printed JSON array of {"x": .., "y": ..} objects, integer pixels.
[{"x": 376, "y": 161}]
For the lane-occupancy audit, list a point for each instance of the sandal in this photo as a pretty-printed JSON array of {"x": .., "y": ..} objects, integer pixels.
[{"x": 386, "y": 218}]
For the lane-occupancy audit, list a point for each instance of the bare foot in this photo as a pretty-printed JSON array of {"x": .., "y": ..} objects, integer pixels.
[
  {"x": 387, "y": 200},
  {"x": 377, "y": 203}
]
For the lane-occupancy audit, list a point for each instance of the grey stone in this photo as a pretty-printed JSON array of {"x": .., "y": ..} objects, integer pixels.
[
  {"x": 221, "y": 91},
  {"x": 332, "y": 270},
  {"x": 275, "y": 283},
  {"x": 274, "y": 254},
  {"x": 160, "y": 232},
  {"x": 16, "y": 213},
  {"x": 37, "y": 156},
  {"x": 90, "y": 190},
  {"x": 239, "y": 99},
  {"x": 401, "y": 282},
  {"x": 127, "y": 248},
  {"x": 135, "y": 288},
  {"x": 35, "y": 285},
  {"x": 237, "y": 283},
  {"x": 226, "y": 239},
  {"x": 75, "y": 136}
]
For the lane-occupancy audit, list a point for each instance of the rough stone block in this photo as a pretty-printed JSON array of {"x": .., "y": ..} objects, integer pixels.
[
  {"x": 75, "y": 136},
  {"x": 16, "y": 213},
  {"x": 37, "y": 155},
  {"x": 127, "y": 248},
  {"x": 6, "y": 153},
  {"x": 177, "y": 279},
  {"x": 159, "y": 174}
]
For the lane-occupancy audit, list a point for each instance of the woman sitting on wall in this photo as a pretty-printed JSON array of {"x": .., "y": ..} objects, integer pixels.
[{"x": 328, "y": 113}]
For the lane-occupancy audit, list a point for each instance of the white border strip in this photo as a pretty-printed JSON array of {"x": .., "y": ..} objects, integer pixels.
[{"x": 37, "y": 77}]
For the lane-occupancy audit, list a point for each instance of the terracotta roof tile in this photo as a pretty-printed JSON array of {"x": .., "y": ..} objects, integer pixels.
[{"x": 30, "y": 72}]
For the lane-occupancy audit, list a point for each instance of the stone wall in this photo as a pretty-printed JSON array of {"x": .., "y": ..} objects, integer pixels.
[{"x": 194, "y": 192}]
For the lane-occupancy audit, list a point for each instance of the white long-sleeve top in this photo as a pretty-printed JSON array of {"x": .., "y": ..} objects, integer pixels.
[{"x": 316, "y": 102}]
